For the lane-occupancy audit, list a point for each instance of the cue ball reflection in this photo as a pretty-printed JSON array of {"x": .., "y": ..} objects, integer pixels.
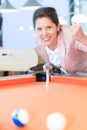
[
  {"x": 20, "y": 117},
  {"x": 56, "y": 121}
]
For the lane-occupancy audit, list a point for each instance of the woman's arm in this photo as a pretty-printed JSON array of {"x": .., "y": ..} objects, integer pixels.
[{"x": 78, "y": 34}]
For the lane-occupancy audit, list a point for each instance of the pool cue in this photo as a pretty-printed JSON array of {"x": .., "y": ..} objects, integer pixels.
[{"x": 47, "y": 79}]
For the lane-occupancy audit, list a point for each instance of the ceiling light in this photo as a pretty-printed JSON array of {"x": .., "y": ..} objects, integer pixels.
[
  {"x": 31, "y": 4},
  {"x": 6, "y": 7}
]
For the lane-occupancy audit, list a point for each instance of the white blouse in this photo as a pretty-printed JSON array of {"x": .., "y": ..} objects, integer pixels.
[{"x": 54, "y": 58}]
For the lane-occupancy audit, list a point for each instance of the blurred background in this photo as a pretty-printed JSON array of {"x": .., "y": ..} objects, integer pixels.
[{"x": 16, "y": 27}]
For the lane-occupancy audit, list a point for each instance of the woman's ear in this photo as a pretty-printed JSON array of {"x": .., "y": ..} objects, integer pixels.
[{"x": 59, "y": 27}]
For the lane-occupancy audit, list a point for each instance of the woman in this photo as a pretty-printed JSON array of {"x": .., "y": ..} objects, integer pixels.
[{"x": 62, "y": 46}]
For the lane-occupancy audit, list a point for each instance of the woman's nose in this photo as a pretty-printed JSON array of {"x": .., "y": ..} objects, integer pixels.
[{"x": 44, "y": 32}]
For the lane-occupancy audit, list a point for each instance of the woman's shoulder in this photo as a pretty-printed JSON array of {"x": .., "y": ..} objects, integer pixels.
[
  {"x": 66, "y": 32},
  {"x": 65, "y": 28}
]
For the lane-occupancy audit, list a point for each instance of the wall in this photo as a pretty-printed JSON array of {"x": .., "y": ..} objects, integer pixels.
[{"x": 17, "y": 31}]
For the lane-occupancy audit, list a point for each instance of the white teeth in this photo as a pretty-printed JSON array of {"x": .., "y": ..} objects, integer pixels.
[{"x": 45, "y": 39}]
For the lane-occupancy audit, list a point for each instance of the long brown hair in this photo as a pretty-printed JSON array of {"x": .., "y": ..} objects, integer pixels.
[{"x": 48, "y": 12}]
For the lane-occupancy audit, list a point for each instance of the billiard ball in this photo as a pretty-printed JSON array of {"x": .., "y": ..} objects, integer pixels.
[
  {"x": 20, "y": 117},
  {"x": 56, "y": 121}
]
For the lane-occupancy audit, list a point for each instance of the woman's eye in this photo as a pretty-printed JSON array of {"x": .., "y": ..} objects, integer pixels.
[
  {"x": 38, "y": 29},
  {"x": 49, "y": 27}
]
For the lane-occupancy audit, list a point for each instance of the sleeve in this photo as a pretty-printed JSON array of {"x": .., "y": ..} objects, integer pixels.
[
  {"x": 80, "y": 46},
  {"x": 42, "y": 52}
]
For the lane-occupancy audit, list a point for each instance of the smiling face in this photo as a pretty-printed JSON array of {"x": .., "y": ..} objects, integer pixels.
[{"x": 46, "y": 31}]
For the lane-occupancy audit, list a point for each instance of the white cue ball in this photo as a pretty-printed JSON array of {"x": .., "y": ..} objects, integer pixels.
[
  {"x": 20, "y": 117},
  {"x": 56, "y": 121}
]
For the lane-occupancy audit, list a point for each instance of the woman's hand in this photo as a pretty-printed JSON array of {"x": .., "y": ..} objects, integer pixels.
[
  {"x": 77, "y": 31},
  {"x": 47, "y": 66}
]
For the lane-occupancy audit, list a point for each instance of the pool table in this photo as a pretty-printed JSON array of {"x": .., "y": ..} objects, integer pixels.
[{"x": 66, "y": 95}]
